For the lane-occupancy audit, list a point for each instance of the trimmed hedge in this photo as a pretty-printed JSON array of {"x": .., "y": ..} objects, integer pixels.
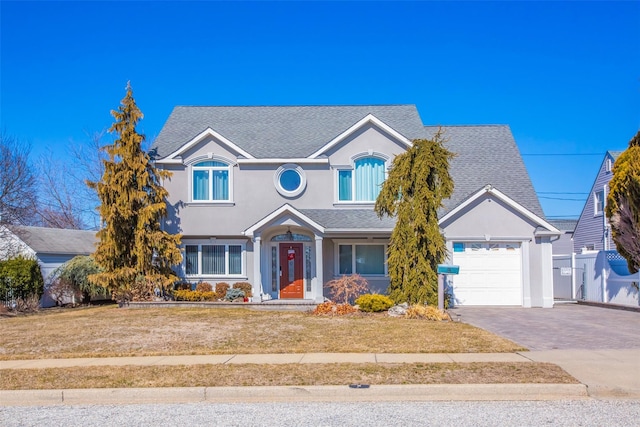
[
  {"x": 21, "y": 277},
  {"x": 185, "y": 295}
]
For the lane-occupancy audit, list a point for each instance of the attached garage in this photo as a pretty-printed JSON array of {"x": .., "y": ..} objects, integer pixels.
[{"x": 490, "y": 273}]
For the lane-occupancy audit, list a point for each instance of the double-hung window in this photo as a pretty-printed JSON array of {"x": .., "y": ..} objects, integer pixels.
[
  {"x": 361, "y": 259},
  {"x": 363, "y": 182},
  {"x": 213, "y": 260},
  {"x": 598, "y": 202},
  {"x": 211, "y": 181}
]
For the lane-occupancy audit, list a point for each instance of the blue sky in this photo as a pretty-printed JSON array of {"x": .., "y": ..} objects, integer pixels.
[{"x": 564, "y": 75}]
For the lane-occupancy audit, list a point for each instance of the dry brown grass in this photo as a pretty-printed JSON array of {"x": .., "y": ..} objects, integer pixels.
[
  {"x": 110, "y": 331},
  {"x": 282, "y": 375}
]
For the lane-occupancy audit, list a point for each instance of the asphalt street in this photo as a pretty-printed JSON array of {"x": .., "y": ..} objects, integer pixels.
[{"x": 460, "y": 414}]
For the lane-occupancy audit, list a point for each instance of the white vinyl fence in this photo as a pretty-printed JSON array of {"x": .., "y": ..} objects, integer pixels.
[{"x": 604, "y": 277}]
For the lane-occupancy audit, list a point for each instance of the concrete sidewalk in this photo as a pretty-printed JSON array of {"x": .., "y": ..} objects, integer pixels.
[
  {"x": 606, "y": 373},
  {"x": 602, "y": 373},
  {"x": 265, "y": 359}
]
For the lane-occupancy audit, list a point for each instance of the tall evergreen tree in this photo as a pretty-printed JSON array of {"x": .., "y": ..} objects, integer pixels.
[
  {"x": 417, "y": 183},
  {"x": 134, "y": 253},
  {"x": 623, "y": 204}
]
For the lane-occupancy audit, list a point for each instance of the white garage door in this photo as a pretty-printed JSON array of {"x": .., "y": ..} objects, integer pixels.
[{"x": 490, "y": 273}]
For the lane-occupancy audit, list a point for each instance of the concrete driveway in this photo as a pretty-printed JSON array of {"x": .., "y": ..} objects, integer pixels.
[
  {"x": 600, "y": 347},
  {"x": 565, "y": 326}
]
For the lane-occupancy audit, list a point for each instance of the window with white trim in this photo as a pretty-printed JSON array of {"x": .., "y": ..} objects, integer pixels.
[
  {"x": 598, "y": 202},
  {"x": 213, "y": 260},
  {"x": 290, "y": 180},
  {"x": 363, "y": 259},
  {"x": 363, "y": 182},
  {"x": 211, "y": 181}
]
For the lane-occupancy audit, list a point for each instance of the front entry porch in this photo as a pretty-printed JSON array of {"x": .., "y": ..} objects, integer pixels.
[{"x": 287, "y": 257}]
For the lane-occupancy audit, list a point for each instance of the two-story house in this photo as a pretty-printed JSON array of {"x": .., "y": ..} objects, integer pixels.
[
  {"x": 593, "y": 232},
  {"x": 283, "y": 197}
]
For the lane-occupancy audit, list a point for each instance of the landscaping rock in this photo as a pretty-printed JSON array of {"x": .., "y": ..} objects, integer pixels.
[{"x": 398, "y": 310}]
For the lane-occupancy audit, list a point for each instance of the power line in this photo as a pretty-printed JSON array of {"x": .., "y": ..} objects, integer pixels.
[
  {"x": 562, "y": 154},
  {"x": 558, "y": 192},
  {"x": 562, "y": 198}
]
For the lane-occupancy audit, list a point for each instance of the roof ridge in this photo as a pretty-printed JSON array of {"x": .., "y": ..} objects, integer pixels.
[
  {"x": 469, "y": 125},
  {"x": 295, "y": 105}
]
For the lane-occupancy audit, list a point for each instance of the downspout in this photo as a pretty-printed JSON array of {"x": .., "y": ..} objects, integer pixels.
[{"x": 605, "y": 224}]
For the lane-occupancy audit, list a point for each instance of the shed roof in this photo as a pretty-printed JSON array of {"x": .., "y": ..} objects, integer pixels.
[
  {"x": 57, "y": 240},
  {"x": 564, "y": 224},
  {"x": 279, "y": 132}
]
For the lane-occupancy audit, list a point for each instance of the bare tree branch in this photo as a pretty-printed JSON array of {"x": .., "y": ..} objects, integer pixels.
[{"x": 17, "y": 182}]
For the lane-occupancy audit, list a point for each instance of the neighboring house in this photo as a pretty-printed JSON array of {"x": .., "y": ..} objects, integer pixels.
[
  {"x": 562, "y": 249},
  {"x": 51, "y": 247},
  {"x": 601, "y": 273},
  {"x": 283, "y": 197},
  {"x": 593, "y": 232},
  {"x": 564, "y": 244}
]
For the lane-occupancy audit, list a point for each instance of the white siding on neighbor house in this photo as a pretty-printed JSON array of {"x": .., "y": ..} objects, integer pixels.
[
  {"x": 590, "y": 230},
  {"x": 563, "y": 245},
  {"x": 48, "y": 264}
]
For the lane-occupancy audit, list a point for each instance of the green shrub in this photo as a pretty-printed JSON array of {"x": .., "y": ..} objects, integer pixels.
[
  {"x": 204, "y": 287},
  {"x": 221, "y": 288},
  {"x": 186, "y": 295},
  {"x": 245, "y": 286},
  {"x": 234, "y": 294},
  {"x": 75, "y": 274},
  {"x": 20, "y": 277},
  {"x": 374, "y": 302}
]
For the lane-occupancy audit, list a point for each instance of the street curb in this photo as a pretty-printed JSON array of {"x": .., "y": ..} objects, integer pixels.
[{"x": 354, "y": 393}]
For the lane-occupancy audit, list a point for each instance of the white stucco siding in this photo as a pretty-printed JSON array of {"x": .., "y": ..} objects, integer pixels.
[
  {"x": 368, "y": 139},
  {"x": 494, "y": 265},
  {"x": 254, "y": 194}
]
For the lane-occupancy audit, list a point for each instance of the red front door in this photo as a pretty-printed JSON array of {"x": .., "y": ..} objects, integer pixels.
[{"x": 291, "y": 278}]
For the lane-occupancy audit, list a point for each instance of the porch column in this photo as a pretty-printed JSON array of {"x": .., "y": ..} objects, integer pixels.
[
  {"x": 257, "y": 278},
  {"x": 319, "y": 294}
]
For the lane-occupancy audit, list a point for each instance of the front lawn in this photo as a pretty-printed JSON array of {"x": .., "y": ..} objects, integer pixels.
[
  {"x": 110, "y": 331},
  {"x": 282, "y": 375}
]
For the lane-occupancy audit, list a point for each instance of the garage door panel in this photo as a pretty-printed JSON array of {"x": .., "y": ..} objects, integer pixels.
[{"x": 490, "y": 274}]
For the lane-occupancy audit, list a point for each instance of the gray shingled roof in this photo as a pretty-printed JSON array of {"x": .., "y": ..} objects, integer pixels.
[
  {"x": 349, "y": 218},
  {"x": 564, "y": 224},
  {"x": 279, "y": 132},
  {"x": 615, "y": 154},
  {"x": 487, "y": 155},
  {"x": 57, "y": 240}
]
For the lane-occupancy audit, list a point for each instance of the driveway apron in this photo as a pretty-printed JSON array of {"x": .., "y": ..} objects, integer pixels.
[
  {"x": 565, "y": 326},
  {"x": 600, "y": 347}
]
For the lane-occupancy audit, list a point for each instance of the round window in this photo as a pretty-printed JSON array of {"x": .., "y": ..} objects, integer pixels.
[{"x": 290, "y": 180}]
